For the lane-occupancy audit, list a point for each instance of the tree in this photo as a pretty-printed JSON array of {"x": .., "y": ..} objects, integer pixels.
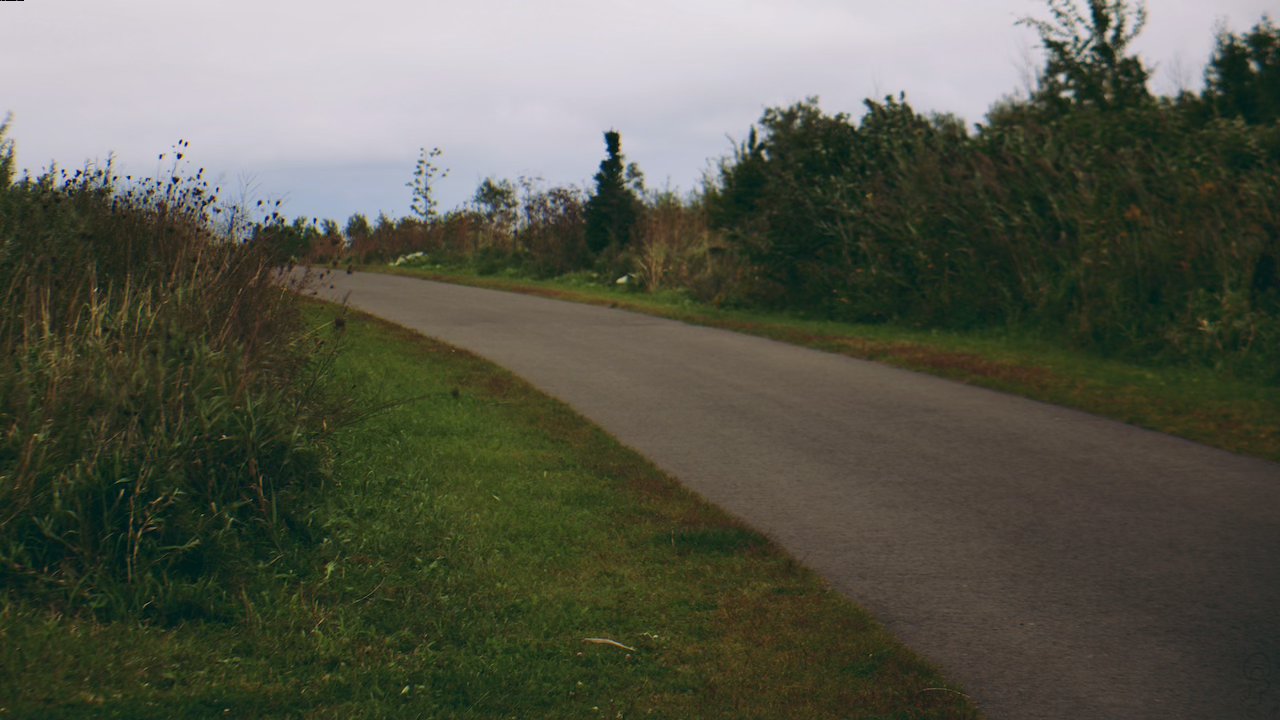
[
  {"x": 735, "y": 196},
  {"x": 425, "y": 175},
  {"x": 357, "y": 228},
  {"x": 772, "y": 197},
  {"x": 496, "y": 203},
  {"x": 613, "y": 209},
  {"x": 1087, "y": 63},
  {"x": 497, "y": 200},
  {"x": 1243, "y": 76},
  {"x": 495, "y": 196}
]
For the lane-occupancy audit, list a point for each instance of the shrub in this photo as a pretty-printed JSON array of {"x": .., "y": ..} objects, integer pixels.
[
  {"x": 1122, "y": 223},
  {"x": 158, "y": 401}
]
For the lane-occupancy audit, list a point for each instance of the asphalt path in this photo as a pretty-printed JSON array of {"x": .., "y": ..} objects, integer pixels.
[{"x": 1056, "y": 564}]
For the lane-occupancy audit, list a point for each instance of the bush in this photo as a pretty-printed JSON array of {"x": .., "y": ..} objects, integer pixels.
[
  {"x": 1090, "y": 211},
  {"x": 158, "y": 401}
]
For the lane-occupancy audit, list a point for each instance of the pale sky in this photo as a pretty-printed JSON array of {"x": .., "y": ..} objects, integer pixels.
[{"x": 325, "y": 104}]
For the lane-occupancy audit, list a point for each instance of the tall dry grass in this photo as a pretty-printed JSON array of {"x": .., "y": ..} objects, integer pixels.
[
  {"x": 677, "y": 249},
  {"x": 159, "y": 411}
]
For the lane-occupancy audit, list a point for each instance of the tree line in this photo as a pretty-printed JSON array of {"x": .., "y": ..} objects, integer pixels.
[{"x": 1089, "y": 209}]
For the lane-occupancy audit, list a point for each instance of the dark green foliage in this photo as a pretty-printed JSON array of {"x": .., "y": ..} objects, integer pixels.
[
  {"x": 803, "y": 201},
  {"x": 1243, "y": 77},
  {"x": 158, "y": 426},
  {"x": 613, "y": 208},
  {"x": 357, "y": 228},
  {"x": 1087, "y": 62},
  {"x": 1090, "y": 211},
  {"x": 737, "y": 199},
  {"x": 329, "y": 228},
  {"x": 1124, "y": 224},
  {"x": 776, "y": 199}
]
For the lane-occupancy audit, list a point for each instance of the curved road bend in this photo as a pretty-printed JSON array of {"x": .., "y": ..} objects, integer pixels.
[{"x": 1056, "y": 564}]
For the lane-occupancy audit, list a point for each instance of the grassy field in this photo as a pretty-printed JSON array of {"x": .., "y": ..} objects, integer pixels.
[
  {"x": 479, "y": 545},
  {"x": 1195, "y": 403}
]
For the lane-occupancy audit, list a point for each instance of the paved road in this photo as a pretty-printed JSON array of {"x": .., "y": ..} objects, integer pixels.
[{"x": 1056, "y": 564}]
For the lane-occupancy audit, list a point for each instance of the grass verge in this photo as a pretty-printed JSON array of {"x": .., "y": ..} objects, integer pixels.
[
  {"x": 476, "y": 534},
  {"x": 1194, "y": 403}
]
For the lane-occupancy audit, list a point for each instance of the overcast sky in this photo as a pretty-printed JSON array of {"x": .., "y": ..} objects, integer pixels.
[{"x": 326, "y": 103}]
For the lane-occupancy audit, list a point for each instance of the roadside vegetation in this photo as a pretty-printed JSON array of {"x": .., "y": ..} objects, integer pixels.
[
  {"x": 219, "y": 499},
  {"x": 1088, "y": 244},
  {"x": 475, "y": 548},
  {"x": 1086, "y": 211},
  {"x": 160, "y": 424}
]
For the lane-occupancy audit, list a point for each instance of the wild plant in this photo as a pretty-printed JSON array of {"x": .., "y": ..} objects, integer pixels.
[{"x": 158, "y": 399}]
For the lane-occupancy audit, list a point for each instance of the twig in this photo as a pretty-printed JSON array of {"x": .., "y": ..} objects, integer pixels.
[
  {"x": 371, "y": 592},
  {"x": 607, "y": 641},
  {"x": 957, "y": 692}
]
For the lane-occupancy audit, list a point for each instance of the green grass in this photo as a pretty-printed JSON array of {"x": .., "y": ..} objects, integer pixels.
[
  {"x": 1195, "y": 403},
  {"x": 475, "y": 535}
]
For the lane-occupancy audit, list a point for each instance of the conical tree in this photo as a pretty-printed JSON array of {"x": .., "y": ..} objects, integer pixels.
[{"x": 613, "y": 208}]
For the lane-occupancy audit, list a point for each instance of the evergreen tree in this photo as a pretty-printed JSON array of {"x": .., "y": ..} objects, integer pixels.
[{"x": 612, "y": 210}]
